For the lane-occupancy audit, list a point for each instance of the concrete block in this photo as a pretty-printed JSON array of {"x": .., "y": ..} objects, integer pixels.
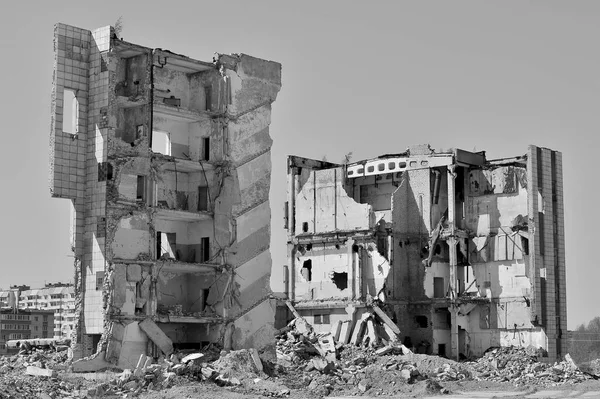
[
  {"x": 32, "y": 370},
  {"x": 89, "y": 365},
  {"x": 156, "y": 335},
  {"x": 134, "y": 273}
]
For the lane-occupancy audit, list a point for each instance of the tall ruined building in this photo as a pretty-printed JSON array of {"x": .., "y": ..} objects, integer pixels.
[
  {"x": 463, "y": 253},
  {"x": 166, "y": 163}
]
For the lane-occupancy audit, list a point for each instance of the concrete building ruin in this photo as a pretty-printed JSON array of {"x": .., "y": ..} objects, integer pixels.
[
  {"x": 465, "y": 253},
  {"x": 165, "y": 161}
]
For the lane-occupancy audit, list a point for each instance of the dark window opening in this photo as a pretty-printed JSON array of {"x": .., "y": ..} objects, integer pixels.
[
  {"x": 321, "y": 319},
  {"x": 141, "y": 189},
  {"x": 422, "y": 321},
  {"x": 370, "y": 168},
  {"x": 340, "y": 280},
  {"x": 355, "y": 248},
  {"x": 305, "y": 227},
  {"x": 391, "y": 165},
  {"x": 202, "y": 198},
  {"x": 309, "y": 247},
  {"x": 381, "y": 167},
  {"x": 205, "y": 249},
  {"x": 439, "y": 290},
  {"x": 307, "y": 270},
  {"x": 438, "y": 249},
  {"x": 208, "y": 97},
  {"x": 337, "y": 246},
  {"x": 105, "y": 171},
  {"x": 101, "y": 227},
  {"x": 442, "y": 350},
  {"x": 525, "y": 245},
  {"x": 360, "y": 171},
  {"x": 206, "y": 148}
]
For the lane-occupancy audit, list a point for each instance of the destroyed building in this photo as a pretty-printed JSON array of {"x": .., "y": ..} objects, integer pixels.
[
  {"x": 166, "y": 163},
  {"x": 464, "y": 253}
]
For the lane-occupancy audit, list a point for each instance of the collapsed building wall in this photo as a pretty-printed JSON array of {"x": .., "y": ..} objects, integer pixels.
[
  {"x": 168, "y": 170},
  {"x": 449, "y": 241}
]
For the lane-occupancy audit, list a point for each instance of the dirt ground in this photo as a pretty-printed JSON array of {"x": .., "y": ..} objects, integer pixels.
[{"x": 416, "y": 390}]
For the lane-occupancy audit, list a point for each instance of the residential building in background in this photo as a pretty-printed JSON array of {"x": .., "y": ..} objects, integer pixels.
[
  {"x": 58, "y": 298},
  {"x": 165, "y": 161},
  {"x": 465, "y": 253},
  {"x": 24, "y": 324}
]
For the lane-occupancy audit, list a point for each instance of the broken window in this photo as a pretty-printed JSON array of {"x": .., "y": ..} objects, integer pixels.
[
  {"x": 141, "y": 189},
  {"x": 340, "y": 280},
  {"x": 202, "y": 198},
  {"x": 99, "y": 280},
  {"x": 307, "y": 270},
  {"x": 206, "y": 148},
  {"x": 165, "y": 245},
  {"x": 204, "y": 249},
  {"x": 70, "y": 112},
  {"x": 105, "y": 171},
  {"x": 422, "y": 321},
  {"x": 321, "y": 319},
  {"x": 161, "y": 142}
]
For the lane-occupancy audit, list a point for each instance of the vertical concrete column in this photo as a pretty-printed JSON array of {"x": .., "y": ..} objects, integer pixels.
[
  {"x": 291, "y": 201},
  {"x": 452, "y": 241}
]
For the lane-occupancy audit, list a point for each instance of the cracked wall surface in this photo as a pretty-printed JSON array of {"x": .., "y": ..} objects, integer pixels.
[{"x": 171, "y": 219}]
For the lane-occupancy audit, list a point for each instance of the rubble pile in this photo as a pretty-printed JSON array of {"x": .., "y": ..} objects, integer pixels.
[
  {"x": 371, "y": 365},
  {"x": 521, "y": 367},
  {"x": 32, "y": 373}
]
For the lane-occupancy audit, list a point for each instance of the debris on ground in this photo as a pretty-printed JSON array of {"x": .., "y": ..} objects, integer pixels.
[{"x": 364, "y": 359}]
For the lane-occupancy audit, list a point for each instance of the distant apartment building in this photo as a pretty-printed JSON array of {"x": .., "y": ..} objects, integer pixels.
[
  {"x": 59, "y": 298},
  {"x": 24, "y": 324}
]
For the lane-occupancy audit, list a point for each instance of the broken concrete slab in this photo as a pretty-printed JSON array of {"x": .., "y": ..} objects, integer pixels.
[
  {"x": 95, "y": 363},
  {"x": 157, "y": 336},
  {"x": 40, "y": 372}
]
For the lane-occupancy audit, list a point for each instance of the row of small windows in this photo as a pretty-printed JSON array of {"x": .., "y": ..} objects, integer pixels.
[
  {"x": 14, "y": 317},
  {"x": 381, "y": 167}
]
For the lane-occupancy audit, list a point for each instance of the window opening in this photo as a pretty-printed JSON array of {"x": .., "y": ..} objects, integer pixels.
[
  {"x": 205, "y": 249},
  {"x": 141, "y": 188},
  {"x": 307, "y": 270},
  {"x": 202, "y": 198},
  {"x": 321, "y": 319},
  {"x": 208, "y": 97},
  {"x": 161, "y": 142},
  {"x": 340, "y": 280},
  {"x": 206, "y": 148},
  {"x": 105, "y": 171},
  {"x": 165, "y": 245},
  {"x": 305, "y": 227},
  {"x": 70, "y": 112},
  {"x": 422, "y": 321}
]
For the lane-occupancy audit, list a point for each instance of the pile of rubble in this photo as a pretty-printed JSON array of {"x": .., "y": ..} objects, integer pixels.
[
  {"x": 369, "y": 360},
  {"x": 521, "y": 367}
]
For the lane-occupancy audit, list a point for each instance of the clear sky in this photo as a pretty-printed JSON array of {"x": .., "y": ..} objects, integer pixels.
[{"x": 367, "y": 77}]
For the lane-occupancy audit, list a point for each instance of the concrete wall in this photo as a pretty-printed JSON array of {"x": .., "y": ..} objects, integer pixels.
[{"x": 323, "y": 205}]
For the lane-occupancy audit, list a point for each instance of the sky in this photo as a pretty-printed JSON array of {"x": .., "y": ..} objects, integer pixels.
[{"x": 361, "y": 77}]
